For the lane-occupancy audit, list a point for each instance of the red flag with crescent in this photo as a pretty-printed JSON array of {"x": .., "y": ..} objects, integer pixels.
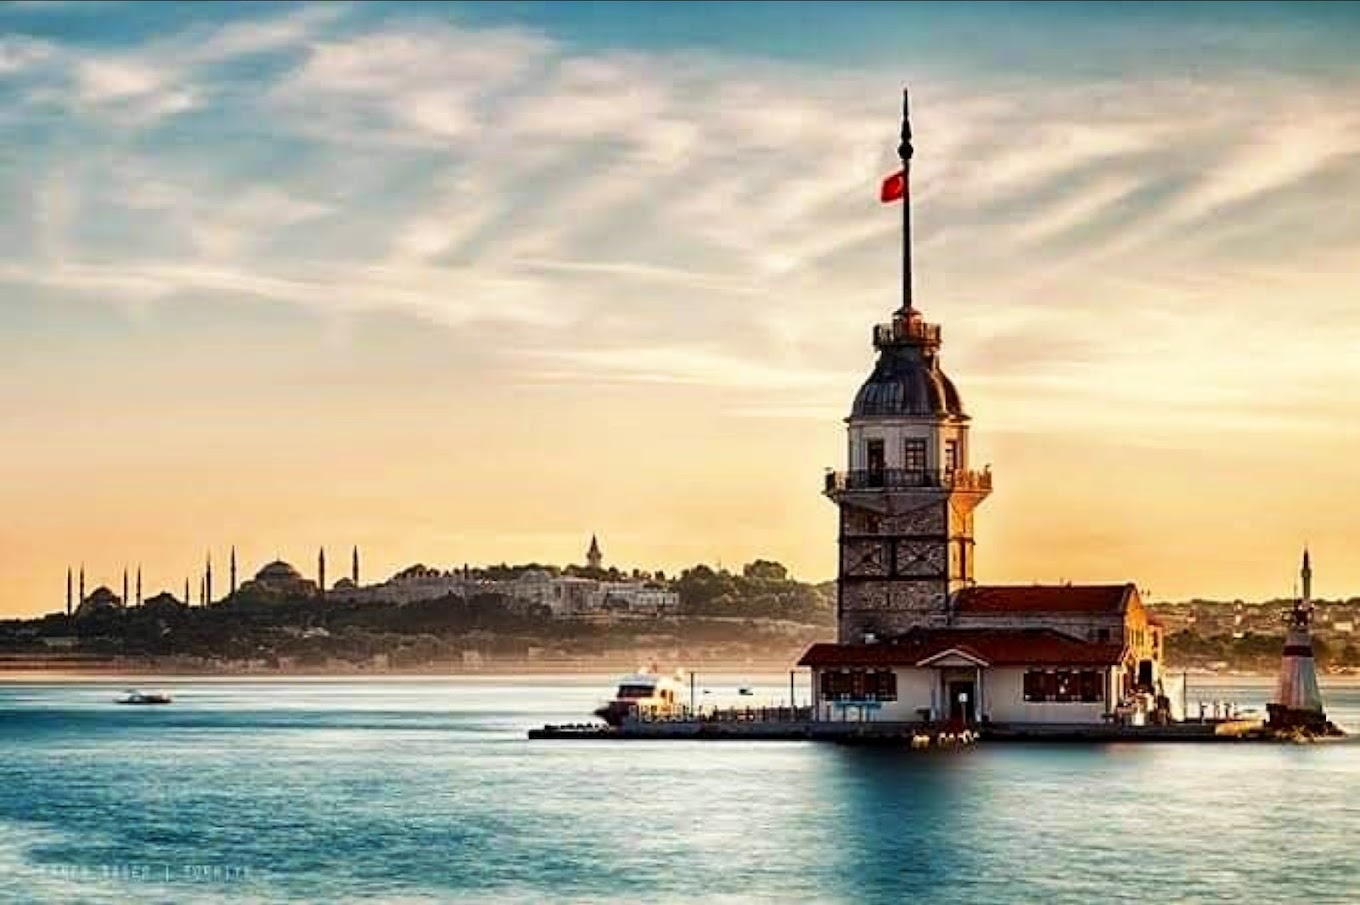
[{"x": 894, "y": 188}]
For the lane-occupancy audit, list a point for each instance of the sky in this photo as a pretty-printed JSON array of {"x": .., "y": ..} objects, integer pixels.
[{"x": 466, "y": 283}]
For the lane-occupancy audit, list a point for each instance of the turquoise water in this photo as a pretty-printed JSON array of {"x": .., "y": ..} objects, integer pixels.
[{"x": 428, "y": 791}]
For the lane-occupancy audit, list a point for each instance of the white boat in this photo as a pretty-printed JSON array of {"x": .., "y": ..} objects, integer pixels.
[
  {"x": 133, "y": 696},
  {"x": 644, "y": 692}
]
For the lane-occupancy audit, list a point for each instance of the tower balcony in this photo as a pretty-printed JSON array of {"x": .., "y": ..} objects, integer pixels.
[
  {"x": 906, "y": 331},
  {"x": 908, "y": 479}
]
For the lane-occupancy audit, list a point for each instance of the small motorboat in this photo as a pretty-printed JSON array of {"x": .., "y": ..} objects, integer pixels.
[
  {"x": 745, "y": 691},
  {"x": 132, "y": 696}
]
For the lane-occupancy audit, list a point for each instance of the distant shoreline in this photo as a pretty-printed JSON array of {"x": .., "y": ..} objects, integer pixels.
[{"x": 526, "y": 670}]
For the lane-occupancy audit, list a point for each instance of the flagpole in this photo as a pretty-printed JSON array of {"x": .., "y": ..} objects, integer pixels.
[{"x": 904, "y": 151}]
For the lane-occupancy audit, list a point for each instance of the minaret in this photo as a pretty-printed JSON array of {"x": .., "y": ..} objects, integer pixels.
[
  {"x": 68, "y": 591},
  {"x": 1298, "y": 700},
  {"x": 321, "y": 572},
  {"x": 594, "y": 558},
  {"x": 188, "y": 601},
  {"x": 354, "y": 566},
  {"x": 139, "y": 585},
  {"x": 125, "y": 586},
  {"x": 907, "y": 496},
  {"x": 207, "y": 578},
  {"x": 233, "y": 570},
  {"x": 202, "y": 591},
  {"x": 82, "y": 585}
]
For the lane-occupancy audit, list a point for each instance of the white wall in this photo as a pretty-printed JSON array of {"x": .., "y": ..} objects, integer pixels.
[
  {"x": 895, "y": 431},
  {"x": 913, "y": 691},
  {"x": 1004, "y": 701}
]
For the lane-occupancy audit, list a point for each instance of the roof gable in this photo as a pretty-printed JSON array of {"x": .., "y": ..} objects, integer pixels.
[{"x": 954, "y": 656}]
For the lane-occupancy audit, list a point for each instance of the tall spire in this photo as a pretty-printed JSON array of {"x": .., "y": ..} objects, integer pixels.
[
  {"x": 207, "y": 578},
  {"x": 354, "y": 566},
  {"x": 82, "y": 584},
  {"x": 139, "y": 584},
  {"x": 233, "y": 570},
  {"x": 188, "y": 601},
  {"x": 125, "y": 586},
  {"x": 321, "y": 572},
  {"x": 68, "y": 590},
  {"x": 904, "y": 151}
]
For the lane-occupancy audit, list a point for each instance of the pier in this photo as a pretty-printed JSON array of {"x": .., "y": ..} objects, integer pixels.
[{"x": 802, "y": 724}]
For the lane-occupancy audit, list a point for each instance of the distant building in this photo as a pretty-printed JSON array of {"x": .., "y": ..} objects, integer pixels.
[
  {"x": 639, "y": 598},
  {"x": 594, "y": 558},
  {"x": 279, "y": 579},
  {"x": 101, "y": 599}
]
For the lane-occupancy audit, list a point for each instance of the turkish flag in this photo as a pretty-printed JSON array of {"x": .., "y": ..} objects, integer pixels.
[{"x": 894, "y": 187}]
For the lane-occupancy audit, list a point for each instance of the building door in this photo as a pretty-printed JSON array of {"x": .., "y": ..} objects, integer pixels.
[{"x": 962, "y": 701}]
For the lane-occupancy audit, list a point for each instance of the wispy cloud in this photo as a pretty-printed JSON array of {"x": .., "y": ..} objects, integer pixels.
[{"x": 720, "y": 218}]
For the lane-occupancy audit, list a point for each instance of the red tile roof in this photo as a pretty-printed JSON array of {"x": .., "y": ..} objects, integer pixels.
[
  {"x": 994, "y": 647},
  {"x": 1111, "y": 599}
]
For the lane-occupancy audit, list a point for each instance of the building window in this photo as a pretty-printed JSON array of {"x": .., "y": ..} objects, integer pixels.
[
  {"x": 914, "y": 455},
  {"x": 876, "y": 460},
  {"x": 859, "y": 685},
  {"x": 1064, "y": 686},
  {"x": 951, "y": 455}
]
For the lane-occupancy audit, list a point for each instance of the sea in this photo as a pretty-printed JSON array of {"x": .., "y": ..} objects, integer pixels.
[{"x": 428, "y": 790}]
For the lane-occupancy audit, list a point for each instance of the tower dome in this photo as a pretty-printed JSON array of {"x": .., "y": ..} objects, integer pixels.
[{"x": 907, "y": 379}]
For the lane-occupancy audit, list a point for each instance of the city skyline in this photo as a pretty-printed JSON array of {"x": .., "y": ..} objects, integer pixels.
[{"x": 464, "y": 283}]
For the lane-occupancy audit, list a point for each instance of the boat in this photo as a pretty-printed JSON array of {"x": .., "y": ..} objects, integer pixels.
[
  {"x": 644, "y": 692},
  {"x": 133, "y": 696},
  {"x": 745, "y": 691}
]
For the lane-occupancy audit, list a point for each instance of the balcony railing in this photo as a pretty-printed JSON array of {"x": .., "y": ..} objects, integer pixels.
[
  {"x": 904, "y": 479},
  {"x": 906, "y": 331}
]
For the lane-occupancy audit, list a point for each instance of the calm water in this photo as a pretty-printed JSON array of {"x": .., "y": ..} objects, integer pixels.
[{"x": 428, "y": 791}]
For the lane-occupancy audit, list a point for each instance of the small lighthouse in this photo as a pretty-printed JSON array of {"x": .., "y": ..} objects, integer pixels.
[{"x": 1297, "y": 703}]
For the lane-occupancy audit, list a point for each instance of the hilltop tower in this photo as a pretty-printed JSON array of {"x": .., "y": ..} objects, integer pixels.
[
  {"x": 125, "y": 585},
  {"x": 908, "y": 495},
  {"x": 233, "y": 570},
  {"x": 139, "y": 585},
  {"x": 207, "y": 578},
  {"x": 354, "y": 566},
  {"x": 594, "y": 558},
  {"x": 68, "y": 591},
  {"x": 321, "y": 572},
  {"x": 82, "y": 584}
]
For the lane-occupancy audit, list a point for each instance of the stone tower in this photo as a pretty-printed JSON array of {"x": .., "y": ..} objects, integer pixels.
[
  {"x": 594, "y": 558},
  {"x": 907, "y": 496}
]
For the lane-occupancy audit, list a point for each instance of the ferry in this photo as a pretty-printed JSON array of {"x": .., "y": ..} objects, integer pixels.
[
  {"x": 658, "y": 695},
  {"x": 132, "y": 696}
]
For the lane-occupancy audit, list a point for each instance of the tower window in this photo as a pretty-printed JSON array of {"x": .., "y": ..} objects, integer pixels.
[
  {"x": 914, "y": 455},
  {"x": 951, "y": 455},
  {"x": 877, "y": 461}
]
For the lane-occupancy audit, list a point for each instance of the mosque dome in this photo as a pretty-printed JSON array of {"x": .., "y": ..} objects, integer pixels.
[{"x": 276, "y": 571}]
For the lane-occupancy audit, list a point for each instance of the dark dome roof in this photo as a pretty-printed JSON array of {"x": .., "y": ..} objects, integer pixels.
[
  {"x": 905, "y": 382},
  {"x": 278, "y": 570}
]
